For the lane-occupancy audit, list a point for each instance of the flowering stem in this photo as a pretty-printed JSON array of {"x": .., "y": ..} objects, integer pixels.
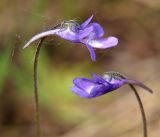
[
  {"x": 142, "y": 110},
  {"x": 35, "y": 84}
]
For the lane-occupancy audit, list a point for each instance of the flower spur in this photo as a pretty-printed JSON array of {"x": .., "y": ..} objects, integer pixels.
[{"x": 89, "y": 34}]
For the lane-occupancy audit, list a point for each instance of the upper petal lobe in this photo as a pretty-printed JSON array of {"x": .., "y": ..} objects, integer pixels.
[{"x": 85, "y": 23}]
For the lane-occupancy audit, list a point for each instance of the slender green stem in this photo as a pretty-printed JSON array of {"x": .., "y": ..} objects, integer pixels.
[
  {"x": 35, "y": 84},
  {"x": 142, "y": 110}
]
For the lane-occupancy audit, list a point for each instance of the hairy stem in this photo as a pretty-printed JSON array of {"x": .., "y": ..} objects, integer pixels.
[
  {"x": 35, "y": 84},
  {"x": 142, "y": 110}
]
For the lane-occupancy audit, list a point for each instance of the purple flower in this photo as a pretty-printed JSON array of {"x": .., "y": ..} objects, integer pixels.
[
  {"x": 89, "y": 34},
  {"x": 91, "y": 88}
]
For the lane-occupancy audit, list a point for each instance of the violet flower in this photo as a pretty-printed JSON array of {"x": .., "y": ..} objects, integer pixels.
[
  {"x": 89, "y": 34},
  {"x": 91, "y": 88}
]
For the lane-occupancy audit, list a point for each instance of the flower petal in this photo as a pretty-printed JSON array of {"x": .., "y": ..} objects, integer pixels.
[
  {"x": 84, "y": 33},
  {"x": 84, "y": 24},
  {"x": 92, "y": 53},
  {"x": 67, "y": 34},
  {"x": 84, "y": 84},
  {"x": 79, "y": 92},
  {"x": 39, "y": 36},
  {"x": 103, "y": 43},
  {"x": 87, "y": 88},
  {"x": 92, "y": 31},
  {"x": 100, "y": 89},
  {"x": 99, "y": 79},
  {"x": 97, "y": 31}
]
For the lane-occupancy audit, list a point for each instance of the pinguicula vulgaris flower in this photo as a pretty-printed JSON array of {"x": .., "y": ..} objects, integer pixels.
[
  {"x": 91, "y": 88},
  {"x": 89, "y": 34}
]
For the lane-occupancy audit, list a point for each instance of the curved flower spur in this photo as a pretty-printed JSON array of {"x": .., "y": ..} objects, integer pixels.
[
  {"x": 91, "y": 88},
  {"x": 89, "y": 34}
]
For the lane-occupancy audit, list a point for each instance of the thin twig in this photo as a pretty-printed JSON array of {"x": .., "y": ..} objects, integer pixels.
[
  {"x": 35, "y": 84},
  {"x": 142, "y": 110}
]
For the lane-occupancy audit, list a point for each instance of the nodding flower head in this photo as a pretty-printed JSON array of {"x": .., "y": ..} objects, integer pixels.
[
  {"x": 89, "y": 34},
  {"x": 91, "y": 88}
]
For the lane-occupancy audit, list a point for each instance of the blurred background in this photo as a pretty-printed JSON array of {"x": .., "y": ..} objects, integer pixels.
[{"x": 63, "y": 114}]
